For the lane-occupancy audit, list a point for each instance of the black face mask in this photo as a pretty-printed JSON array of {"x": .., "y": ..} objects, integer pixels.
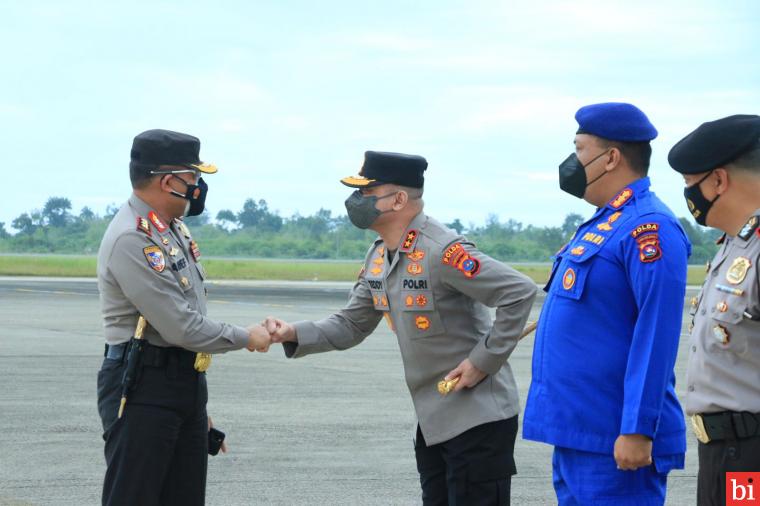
[
  {"x": 195, "y": 195},
  {"x": 699, "y": 206},
  {"x": 362, "y": 211},
  {"x": 572, "y": 175}
]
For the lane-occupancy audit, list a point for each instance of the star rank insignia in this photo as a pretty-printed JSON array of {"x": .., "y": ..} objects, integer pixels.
[{"x": 409, "y": 241}]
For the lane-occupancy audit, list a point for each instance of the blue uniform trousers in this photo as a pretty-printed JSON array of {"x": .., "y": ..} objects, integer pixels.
[{"x": 593, "y": 479}]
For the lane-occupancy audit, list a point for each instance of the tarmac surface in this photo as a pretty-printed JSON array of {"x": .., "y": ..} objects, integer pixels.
[{"x": 329, "y": 429}]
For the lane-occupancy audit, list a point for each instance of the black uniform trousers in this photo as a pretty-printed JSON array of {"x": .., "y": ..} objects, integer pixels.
[
  {"x": 717, "y": 458},
  {"x": 157, "y": 453},
  {"x": 472, "y": 469}
]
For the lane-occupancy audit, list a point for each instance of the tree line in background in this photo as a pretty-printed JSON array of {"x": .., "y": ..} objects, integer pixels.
[{"x": 255, "y": 231}]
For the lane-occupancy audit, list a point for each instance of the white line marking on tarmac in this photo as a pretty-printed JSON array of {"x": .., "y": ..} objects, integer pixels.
[{"x": 54, "y": 292}]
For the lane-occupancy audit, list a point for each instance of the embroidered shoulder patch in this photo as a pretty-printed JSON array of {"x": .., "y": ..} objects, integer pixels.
[
  {"x": 648, "y": 240},
  {"x": 650, "y": 251},
  {"x": 452, "y": 254},
  {"x": 646, "y": 228},
  {"x": 155, "y": 258},
  {"x": 456, "y": 256},
  {"x": 143, "y": 226}
]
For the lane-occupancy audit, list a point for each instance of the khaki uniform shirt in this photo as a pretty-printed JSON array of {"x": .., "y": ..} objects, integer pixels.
[
  {"x": 724, "y": 359},
  {"x": 151, "y": 268},
  {"x": 435, "y": 293}
]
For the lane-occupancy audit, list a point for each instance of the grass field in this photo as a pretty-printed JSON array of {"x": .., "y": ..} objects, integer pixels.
[{"x": 285, "y": 270}]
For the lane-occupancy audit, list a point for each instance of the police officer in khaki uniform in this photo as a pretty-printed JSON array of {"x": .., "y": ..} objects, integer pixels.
[
  {"x": 720, "y": 163},
  {"x": 434, "y": 289},
  {"x": 150, "y": 266}
]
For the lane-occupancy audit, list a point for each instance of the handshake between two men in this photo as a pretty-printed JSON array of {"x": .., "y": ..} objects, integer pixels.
[
  {"x": 271, "y": 330},
  {"x": 274, "y": 330}
]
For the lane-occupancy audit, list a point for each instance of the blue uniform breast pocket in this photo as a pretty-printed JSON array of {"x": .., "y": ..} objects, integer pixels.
[{"x": 571, "y": 274}]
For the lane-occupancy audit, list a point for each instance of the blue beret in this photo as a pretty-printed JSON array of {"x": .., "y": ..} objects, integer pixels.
[
  {"x": 715, "y": 143},
  {"x": 382, "y": 167},
  {"x": 615, "y": 121}
]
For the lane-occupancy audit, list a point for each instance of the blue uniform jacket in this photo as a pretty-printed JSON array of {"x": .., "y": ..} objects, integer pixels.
[{"x": 608, "y": 333}]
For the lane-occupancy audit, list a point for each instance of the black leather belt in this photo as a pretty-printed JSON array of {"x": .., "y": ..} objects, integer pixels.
[
  {"x": 725, "y": 425},
  {"x": 152, "y": 356}
]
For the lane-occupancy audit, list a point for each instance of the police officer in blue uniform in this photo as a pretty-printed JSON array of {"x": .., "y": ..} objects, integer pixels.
[{"x": 602, "y": 391}]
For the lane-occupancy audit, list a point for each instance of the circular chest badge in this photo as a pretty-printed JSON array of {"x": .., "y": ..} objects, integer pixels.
[{"x": 568, "y": 279}]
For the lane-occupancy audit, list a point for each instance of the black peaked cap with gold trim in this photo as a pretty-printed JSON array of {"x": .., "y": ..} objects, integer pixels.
[{"x": 389, "y": 168}]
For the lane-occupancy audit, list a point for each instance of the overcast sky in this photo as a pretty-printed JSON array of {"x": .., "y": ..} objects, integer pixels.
[{"x": 286, "y": 96}]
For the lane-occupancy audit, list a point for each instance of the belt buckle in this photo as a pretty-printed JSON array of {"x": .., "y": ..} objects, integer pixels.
[
  {"x": 202, "y": 362},
  {"x": 698, "y": 425}
]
